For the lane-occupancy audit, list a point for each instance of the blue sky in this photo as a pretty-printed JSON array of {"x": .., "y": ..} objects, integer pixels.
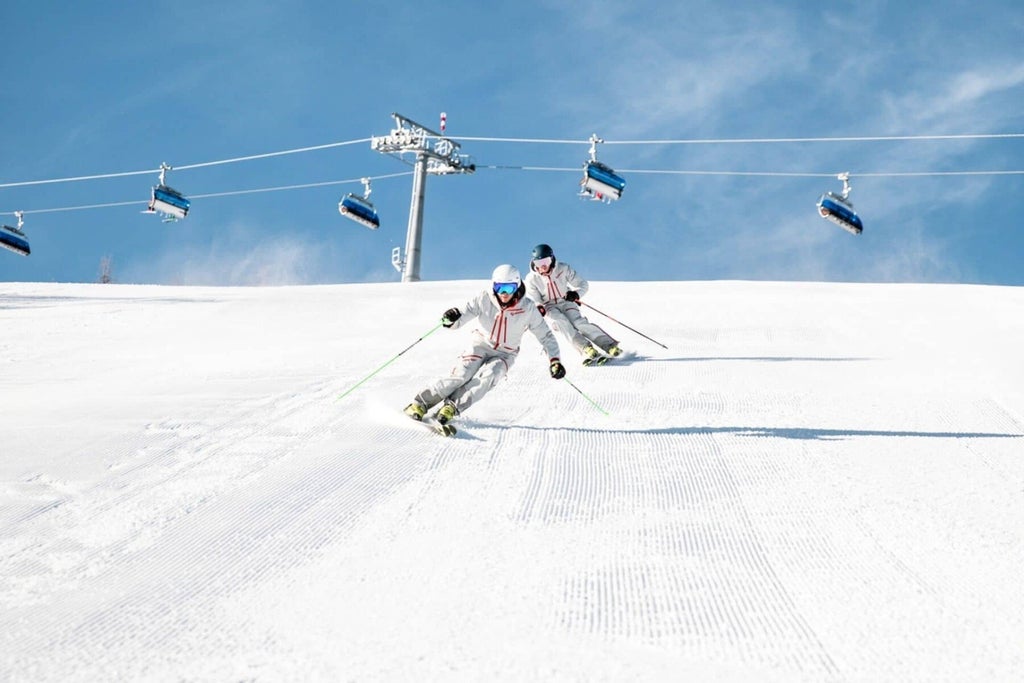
[{"x": 96, "y": 89}]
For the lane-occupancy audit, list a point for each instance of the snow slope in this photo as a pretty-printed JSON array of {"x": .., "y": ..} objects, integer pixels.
[{"x": 813, "y": 482}]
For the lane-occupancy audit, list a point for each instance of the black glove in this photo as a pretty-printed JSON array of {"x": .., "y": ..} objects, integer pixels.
[
  {"x": 557, "y": 370},
  {"x": 450, "y": 316},
  {"x": 543, "y": 311},
  {"x": 572, "y": 295}
]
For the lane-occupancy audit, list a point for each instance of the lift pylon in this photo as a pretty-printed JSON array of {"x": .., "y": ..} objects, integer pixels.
[{"x": 436, "y": 155}]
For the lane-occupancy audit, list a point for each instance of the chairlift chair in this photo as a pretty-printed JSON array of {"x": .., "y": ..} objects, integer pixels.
[
  {"x": 600, "y": 182},
  {"x": 839, "y": 209},
  {"x": 170, "y": 202},
  {"x": 166, "y": 200},
  {"x": 14, "y": 239},
  {"x": 359, "y": 208}
]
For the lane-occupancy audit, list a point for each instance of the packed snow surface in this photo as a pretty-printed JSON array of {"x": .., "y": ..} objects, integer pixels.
[{"x": 811, "y": 482}]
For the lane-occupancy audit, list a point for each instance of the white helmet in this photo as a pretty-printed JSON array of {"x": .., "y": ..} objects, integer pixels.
[
  {"x": 505, "y": 280},
  {"x": 506, "y": 273}
]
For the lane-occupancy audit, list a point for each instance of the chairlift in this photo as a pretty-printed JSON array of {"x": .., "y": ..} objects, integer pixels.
[
  {"x": 13, "y": 238},
  {"x": 839, "y": 209},
  {"x": 167, "y": 201},
  {"x": 600, "y": 182},
  {"x": 359, "y": 208}
]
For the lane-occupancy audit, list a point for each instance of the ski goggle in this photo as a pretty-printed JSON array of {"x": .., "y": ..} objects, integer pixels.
[
  {"x": 506, "y": 287},
  {"x": 543, "y": 262}
]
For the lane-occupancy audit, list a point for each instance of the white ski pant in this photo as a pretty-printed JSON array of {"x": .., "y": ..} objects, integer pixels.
[
  {"x": 480, "y": 369},
  {"x": 567, "y": 320}
]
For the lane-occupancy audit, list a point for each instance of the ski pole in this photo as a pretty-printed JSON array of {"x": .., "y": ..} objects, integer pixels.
[
  {"x": 592, "y": 402},
  {"x": 389, "y": 362},
  {"x": 624, "y": 325}
]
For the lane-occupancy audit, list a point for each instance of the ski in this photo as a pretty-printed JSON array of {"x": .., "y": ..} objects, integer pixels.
[
  {"x": 603, "y": 359},
  {"x": 428, "y": 422},
  {"x": 438, "y": 428}
]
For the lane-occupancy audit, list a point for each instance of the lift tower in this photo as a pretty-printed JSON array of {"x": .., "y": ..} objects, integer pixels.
[{"x": 435, "y": 154}]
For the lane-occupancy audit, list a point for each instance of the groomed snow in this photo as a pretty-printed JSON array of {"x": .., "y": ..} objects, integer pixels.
[{"x": 813, "y": 482}]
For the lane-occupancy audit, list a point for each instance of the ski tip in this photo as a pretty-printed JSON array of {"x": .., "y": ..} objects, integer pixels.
[{"x": 446, "y": 429}]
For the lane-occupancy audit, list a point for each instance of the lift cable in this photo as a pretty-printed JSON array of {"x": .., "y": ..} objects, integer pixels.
[
  {"x": 969, "y": 136},
  {"x": 187, "y": 166},
  {"x": 745, "y": 141},
  {"x": 273, "y": 154},
  {"x": 218, "y": 194},
  {"x": 782, "y": 174},
  {"x": 708, "y": 141},
  {"x": 779, "y": 174}
]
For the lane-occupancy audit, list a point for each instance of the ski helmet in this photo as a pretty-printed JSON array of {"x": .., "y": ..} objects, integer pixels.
[
  {"x": 506, "y": 273},
  {"x": 505, "y": 279},
  {"x": 542, "y": 251}
]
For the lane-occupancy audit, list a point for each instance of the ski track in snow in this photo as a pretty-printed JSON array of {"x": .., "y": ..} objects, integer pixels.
[
  {"x": 764, "y": 501},
  {"x": 193, "y": 552}
]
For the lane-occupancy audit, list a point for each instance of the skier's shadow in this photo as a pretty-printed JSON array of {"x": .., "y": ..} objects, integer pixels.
[
  {"x": 756, "y": 359},
  {"x": 799, "y": 433}
]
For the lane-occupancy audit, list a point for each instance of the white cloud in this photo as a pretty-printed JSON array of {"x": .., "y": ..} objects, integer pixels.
[
  {"x": 673, "y": 73},
  {"x": 958, "y": 102}
]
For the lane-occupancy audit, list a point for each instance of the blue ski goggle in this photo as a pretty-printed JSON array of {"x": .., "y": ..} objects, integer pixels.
[{"x": 506, "y": 287}]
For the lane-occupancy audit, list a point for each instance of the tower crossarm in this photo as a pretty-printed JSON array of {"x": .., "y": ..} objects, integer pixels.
[{"x": 409, "y": 137}]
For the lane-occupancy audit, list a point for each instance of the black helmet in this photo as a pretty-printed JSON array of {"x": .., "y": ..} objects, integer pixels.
[{"x": 542, "y": 251}]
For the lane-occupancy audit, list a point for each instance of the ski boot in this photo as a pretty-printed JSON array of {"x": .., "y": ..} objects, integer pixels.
[
  {"x": 416, "y": 411},
  {"x": 590, "y": 355},
  {"x": 613, "y": 352},
  {"x": 444, "y": 419}
]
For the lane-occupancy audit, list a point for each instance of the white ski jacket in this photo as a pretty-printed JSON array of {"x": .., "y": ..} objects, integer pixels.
[
  {"x": 550, "y": 289},
  {"x": 502, "y": 328}
]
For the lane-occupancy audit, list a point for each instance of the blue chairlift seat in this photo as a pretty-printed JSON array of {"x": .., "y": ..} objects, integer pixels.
[
  {"x": 840, "y": 212},
  {"x": 601, "y": 182},
  {"x": 169, "y": 202},
  {"x": 360, "y": 210},
  {"x": 15, "y": 240}
]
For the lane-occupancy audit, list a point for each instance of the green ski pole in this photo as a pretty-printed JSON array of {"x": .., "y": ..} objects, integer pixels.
[
  {"x": 357, "y": 384},
  {"x": 592, "y": 402}
]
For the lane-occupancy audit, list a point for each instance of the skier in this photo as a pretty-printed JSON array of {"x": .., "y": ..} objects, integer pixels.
[
  {"x": 503, "y": 314},
  {"x": 557, "y": 288}
]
